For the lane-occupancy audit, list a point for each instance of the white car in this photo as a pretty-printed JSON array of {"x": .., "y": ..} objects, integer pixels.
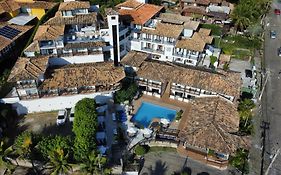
[
  {"x": 61, "y": 119},
  {"x": 113, "y": 116},
  {"x": 71, "y": 115}
]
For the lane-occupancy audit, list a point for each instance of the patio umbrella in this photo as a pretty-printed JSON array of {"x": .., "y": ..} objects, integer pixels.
[
  {"x": 165, "y": 121},
  {"x": 102, "y": 149},
  {"x": 132, "y": 131},
  {"x": 147, "y": 132}
]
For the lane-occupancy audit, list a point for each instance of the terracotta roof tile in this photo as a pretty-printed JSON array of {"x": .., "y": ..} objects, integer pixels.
[
  {"x": 165, "y": 29},
  {"x": 193, "y": 10},
  {"x": 228, "y": 83},
  {"x": 173, "y": 18},
  {"x": 28, "y": 68},
  {"x": 8, "y": 6},
  {"x": 37, "y": 4},
  {"x": 47, "y": 32},
  {"x": 33, "y": 47},
  {"x": 203, "y": 2},
  {"x": 134, "y": 58},
  {"x": 141, "y": 14},
  {"x": 129, "y": 4},
  {"x": 209, "y": 124},
  {"x": 197, "y": 42},
  {"x": 77, "y": 19},
  {"x": 89, "y": 74},
  {"x": 84, "y": 45},
  {"x": 5, "y": 41},
  {"x": 72, "y": 5},
  {"x": 191, "y": 25}
]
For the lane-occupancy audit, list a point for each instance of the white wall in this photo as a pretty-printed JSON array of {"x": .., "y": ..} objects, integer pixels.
[
  {"x": 136, "y": 45},
  {"x": 55, "y": 103},
  {"x": 76, "y": 59}
]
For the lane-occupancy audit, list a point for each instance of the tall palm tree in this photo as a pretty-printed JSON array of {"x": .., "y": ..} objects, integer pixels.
[
  {"x": 93, "y": 164},
  {"x": 23, "y": 147},
  {"x": 58, "y": 162},
  {"x": 5, "y": 161}
]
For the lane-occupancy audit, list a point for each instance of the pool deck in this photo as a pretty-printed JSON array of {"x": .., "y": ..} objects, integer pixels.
[{"x": 164, "y": 101}]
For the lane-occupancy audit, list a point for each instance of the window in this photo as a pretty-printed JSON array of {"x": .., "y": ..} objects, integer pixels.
[{"x": 113, "y": 18}]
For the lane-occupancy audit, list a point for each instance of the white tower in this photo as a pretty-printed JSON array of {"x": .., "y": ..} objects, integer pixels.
[{"x": 113, "y": 25}]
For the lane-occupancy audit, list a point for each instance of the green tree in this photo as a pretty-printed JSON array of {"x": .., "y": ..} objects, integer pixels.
[
  {"x": 5, "y": 160},
  {"x": 141, "y": 150},
  {"x": 246, "y": 104},
  {"x": 240, "y": 160},
  {"x": 94, "y": 164},
  {"x": 127, "y": 92},
  {"x": 58, "y": 163},
  {"x": 50, "y": 143},
  {"x": 24, "y": 148},
  {"x": 84, "y": 128}
]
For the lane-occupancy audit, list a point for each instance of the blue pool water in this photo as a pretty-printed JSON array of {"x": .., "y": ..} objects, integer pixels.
[{"x": 148, "y": 111}]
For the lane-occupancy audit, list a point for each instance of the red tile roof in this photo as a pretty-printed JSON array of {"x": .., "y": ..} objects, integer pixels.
[{"x": 141, "y": 14}]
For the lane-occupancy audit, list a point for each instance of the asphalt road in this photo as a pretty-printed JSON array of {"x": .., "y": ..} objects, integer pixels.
[{"x": 271, "y": 100}]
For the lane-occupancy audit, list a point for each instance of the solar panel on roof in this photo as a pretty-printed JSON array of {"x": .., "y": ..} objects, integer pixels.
[{"x": 9, "y": 32}]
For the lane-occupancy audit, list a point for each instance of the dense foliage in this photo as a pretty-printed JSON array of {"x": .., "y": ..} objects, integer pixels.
[
  {"x": 244, "y": 107},
  {"x": 49, "y": 144},
  {"x": 94, "y": 164},
  {"x": 127, "y": 92},
  {"x": 240, "y": 160},
  {"x": 84, "y": 128},
  {"x": 248, "y": 12},
  {"x": 141, "y": 150}
]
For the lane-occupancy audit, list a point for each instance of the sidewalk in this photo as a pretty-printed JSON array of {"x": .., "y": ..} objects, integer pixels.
[{"x": 255, "y": 151}]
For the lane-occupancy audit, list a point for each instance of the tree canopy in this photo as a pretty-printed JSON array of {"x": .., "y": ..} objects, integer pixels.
[
  {"x": 84, "y": 128},
  {"x": 248, "y": 12}
]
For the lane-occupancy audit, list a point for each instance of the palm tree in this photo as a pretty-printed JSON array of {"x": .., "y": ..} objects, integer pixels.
[
  {"x": 24, "y": 148},
  {"x": 5, "y": 161},
  {"x": 58, "y": 162},
  {"x": 93, "y": 164}
]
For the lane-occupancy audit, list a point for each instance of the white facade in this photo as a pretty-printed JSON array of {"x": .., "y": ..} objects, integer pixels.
[
  {"x": 53, "y": 103},
  {"x": 76, "y": 59}
]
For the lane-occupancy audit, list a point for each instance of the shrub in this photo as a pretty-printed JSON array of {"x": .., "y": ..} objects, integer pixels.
[
  {"x": 179, "y": 114},
  {"x": 84, "y": 128},
  {"x": 48, "y": 144},
  {"x": 127, "y": 92},
  {"x": 141, "y": 150},
  {"x": 240, "y": 160},
  {"x": 216, "y": 30},
  {"x": 246, "y": 104},
  {"x": 213, "y": 59}
]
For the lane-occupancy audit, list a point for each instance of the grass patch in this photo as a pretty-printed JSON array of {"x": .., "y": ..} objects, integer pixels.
[
  {"x": 240, "y": 47},
  {"x": 216, "y": 30},
  {"x": 163, "y": 149}
]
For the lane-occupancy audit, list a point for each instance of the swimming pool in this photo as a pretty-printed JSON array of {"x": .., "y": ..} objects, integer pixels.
[{"x": 148, "y": 111}]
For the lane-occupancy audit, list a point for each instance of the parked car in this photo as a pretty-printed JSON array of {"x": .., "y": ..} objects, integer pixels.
[
  {"x": 71, "y": 115},
  {"x": 272, "y": 34},
  {"x": 277, "y": 11},
  {"x": 279, "y": 51},
  {"x": 113, "y": 116},
  {"x": 61, "y": 118}
]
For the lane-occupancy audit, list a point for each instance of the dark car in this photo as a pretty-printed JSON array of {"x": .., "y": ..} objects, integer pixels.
[
  {"x": 277, "y": 12},
  {"x": 272, "y": 34},
  {"x": 279, "y": 51}
]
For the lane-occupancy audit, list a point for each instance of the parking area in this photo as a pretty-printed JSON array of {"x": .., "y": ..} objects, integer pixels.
[
  {"x": 166, "y": 163},
  {"x": 45, "y": 123}
]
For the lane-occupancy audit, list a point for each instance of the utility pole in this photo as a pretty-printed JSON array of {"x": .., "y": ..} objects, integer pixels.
[
  {"x": 270, "y": 165},
  {"x": 266, "y": 79},
  {"x": 264, "y": 126}
]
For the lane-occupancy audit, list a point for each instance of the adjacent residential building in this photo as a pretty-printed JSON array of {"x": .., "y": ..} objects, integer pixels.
[
  {"x": 28, "y": 74},
  {"x": 8, "y": 10},
  {"x": 75, "y": 35},
  {"x": 207, "y": 10},
  {"x": 185, "y": 83},
  {"x": 10, "y": 37},
  {"x": 208, "y": 132},
  {"x": 35, "y": 8}
]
